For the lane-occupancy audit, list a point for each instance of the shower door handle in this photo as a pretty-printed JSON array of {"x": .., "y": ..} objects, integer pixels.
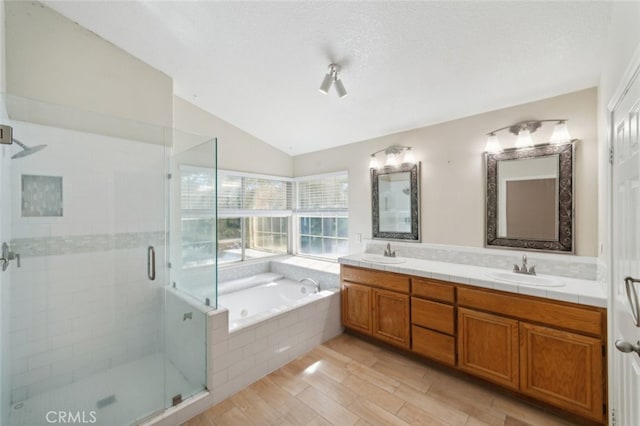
[
  {"x": 151, "y": 263},
  {"x": 7, "y": 256}
]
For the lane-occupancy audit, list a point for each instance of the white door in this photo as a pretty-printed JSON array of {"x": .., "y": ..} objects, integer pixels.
[{"x": 624, "y": 378}]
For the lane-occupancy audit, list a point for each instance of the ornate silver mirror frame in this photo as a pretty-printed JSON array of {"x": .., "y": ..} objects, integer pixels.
[
  {"x": 564, "y": 241},
  {"x": 412, "y": 221}
]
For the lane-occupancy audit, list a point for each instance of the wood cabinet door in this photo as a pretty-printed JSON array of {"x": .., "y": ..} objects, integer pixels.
[
  {"x": 391, "y": 317},
  {"x": 488, "y": 347},
  {"x": 356, "y": 307},
  {"x": 563, "y": 369}
]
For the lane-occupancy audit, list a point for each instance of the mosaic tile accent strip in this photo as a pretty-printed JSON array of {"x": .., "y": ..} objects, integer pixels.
[
  {"x": 41, "y": 196},
  {"x": 550, "y": 264},
  {"x": 51, "y": 246}
]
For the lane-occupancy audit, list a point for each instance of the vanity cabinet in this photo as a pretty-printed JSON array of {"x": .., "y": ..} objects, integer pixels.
[
  {"x": 548, "y": 350},
  {"x": 391, "y": 317},
  {"x": 377, "y": 304},
  {"x": 356, "y": 307},
  {"x": 488, "y": 347},
  {"x": 551, "y": 351},
  {"x": 562, "y": 368},
  {"x": 433, "y": 320}
]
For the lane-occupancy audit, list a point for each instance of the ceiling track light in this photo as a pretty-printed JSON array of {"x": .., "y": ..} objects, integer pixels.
[
  {"x": 395, "y": 156},
  {"x": 524, "y": 129},
  {"x": 332, "y": 78}
]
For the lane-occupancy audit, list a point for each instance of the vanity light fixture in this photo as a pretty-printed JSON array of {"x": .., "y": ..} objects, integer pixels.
[
  {"x": 524, "y": 129},
  {"x": 395, "y": 156},
  {"x": 332, "y": 78}
]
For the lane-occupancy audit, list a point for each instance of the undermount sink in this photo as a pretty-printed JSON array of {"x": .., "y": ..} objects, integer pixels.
[
  {"x": 534, "y": 280},
  {"x": 377, "y": 258}
]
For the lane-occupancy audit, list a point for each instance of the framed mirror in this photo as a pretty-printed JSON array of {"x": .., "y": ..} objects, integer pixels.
[
  {"x": 530, "y": 198},
  {"x": 395, "y": 202}
]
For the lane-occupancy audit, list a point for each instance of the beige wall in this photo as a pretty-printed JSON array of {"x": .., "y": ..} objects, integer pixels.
[
  {"x": 452, "y": 181},
  {"x": 237, "y": 149},
  {"x": 51, "y": 58}
]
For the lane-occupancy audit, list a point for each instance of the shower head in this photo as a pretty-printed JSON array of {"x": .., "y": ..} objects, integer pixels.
[{"x": 26, "y": 150}]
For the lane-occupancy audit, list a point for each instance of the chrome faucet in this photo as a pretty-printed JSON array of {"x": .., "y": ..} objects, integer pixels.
[
  {"x": 315, "y": 284},
  {"x": 531, "y": 270},
  {"x": 388, "y": 252}
]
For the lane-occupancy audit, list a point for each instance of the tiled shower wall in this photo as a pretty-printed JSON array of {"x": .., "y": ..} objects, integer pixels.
[{"x": 81, "y": 301}]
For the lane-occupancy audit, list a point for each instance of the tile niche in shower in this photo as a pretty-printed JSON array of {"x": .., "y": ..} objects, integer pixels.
[{"x": 41, "y": 196}]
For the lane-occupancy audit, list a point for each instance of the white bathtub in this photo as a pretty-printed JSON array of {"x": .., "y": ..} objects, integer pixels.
[{"x": 266, "y": 299}]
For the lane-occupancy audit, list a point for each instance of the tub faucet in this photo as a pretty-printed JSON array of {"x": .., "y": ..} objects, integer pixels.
[
  {"x": 388, "y": 252},
  {"x": 531, "y": 270},
  {"x": 315, "y": 284}
]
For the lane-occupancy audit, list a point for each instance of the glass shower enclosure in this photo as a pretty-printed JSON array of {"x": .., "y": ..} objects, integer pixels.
[{"x": 91, "y": 328}]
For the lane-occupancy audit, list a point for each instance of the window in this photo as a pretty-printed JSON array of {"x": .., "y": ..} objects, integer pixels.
[
  {"x": 253, "y": 216},
  {"x": 322, "y": 215},
  {"x": 198, "y": 212}
]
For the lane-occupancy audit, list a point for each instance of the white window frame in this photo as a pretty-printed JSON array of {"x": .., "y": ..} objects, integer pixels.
[
  {"x": 320, "y": 212},
  {"x": 244, "y": 214}
]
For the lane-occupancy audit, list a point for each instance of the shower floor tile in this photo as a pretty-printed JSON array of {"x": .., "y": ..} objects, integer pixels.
[{"x": 118, "y": 396}]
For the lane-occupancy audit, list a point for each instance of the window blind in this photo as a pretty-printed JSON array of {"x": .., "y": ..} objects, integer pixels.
[
  {"x": 244, "y": 195},
  {"x": 197, "y": 189},
  {"x": 323, "y": 193}
]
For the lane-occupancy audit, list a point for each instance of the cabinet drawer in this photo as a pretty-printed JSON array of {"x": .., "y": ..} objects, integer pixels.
[
  {"x": 434, "y": 345},
  {"x": 386, "y": 280},
  {"x": 557, "y": 314},
  {"x": 433, "y": 315},
  {"x": 431, "y": 289}
]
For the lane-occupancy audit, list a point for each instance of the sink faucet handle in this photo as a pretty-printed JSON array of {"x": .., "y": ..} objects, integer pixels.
[
  {"x": 532, "y": 270},
  {"x": 516, "y": 268}
]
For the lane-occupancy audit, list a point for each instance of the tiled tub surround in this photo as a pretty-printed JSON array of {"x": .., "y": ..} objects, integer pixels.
[
  {"x": 237, "y": 359},
  {"x": 241, "y": 357},
  {"x": 561, "y": 265},
  {"x": 586, "y": 292},
  {"x": 327, "y": 274}
]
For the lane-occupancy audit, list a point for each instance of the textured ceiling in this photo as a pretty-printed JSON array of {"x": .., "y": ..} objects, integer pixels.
[{"x": 258, "y": 65}]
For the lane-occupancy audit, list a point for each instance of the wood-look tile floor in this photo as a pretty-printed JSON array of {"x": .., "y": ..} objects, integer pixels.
[{"x": 348, "y": 381}]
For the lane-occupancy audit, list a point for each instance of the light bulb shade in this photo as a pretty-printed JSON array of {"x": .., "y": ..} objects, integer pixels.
[
  {"x": 524, "y": 139},
  {"x": 408, "y": 157},
  {"x": 373, "y": 162},
  {"x": 493, "y": 144},
  {"x": 392, "y": 160},
  {"x": 326, "y": 84},
  {"x": 560, "y": 133},
  {"x": 340, "y": 90}
]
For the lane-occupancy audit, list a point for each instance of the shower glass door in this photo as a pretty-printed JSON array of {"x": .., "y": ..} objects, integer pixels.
[{"x": 85, "y": 217}]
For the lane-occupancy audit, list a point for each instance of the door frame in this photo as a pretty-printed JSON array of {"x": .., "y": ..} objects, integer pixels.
[{"x": 631, "y": 73}]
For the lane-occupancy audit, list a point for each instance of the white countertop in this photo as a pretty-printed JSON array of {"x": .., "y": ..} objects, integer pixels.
[{"x": 585, "y": 292}]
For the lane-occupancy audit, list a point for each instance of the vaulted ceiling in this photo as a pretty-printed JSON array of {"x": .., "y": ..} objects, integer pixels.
[{"x": 258, "y": 65}]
